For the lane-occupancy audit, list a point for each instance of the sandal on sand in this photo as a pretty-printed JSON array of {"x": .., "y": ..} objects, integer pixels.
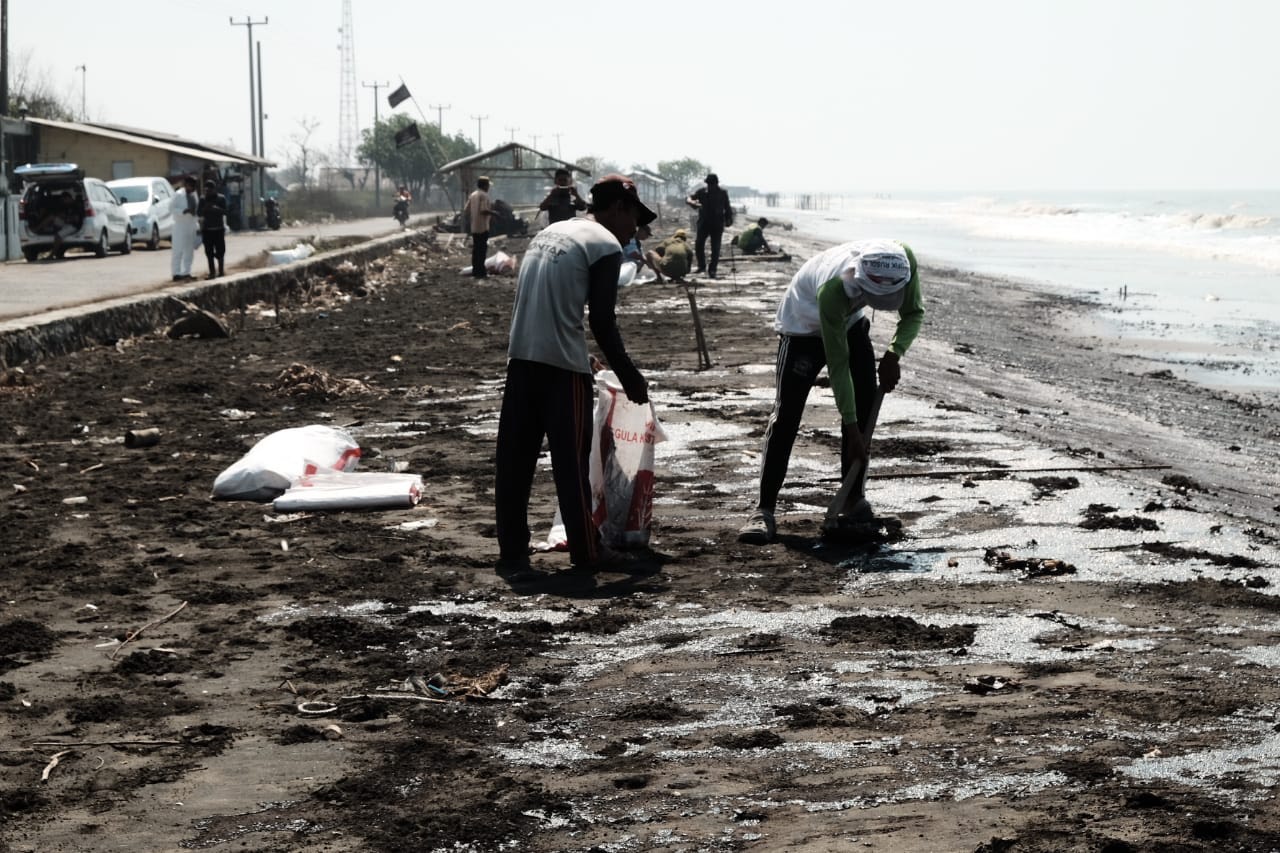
[{"x": 760, "y": 529}]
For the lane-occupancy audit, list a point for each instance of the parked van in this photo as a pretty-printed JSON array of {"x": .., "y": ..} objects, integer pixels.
[
  {"x": 61, "y": 209},
  {"x": 146, "y": 203}
]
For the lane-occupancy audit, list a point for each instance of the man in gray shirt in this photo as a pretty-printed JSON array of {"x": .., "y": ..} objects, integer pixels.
[{"x": 570, "y": 266}]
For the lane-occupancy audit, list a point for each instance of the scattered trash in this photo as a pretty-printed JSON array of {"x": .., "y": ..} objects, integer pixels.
[
  {"x": 329, "y": 490},
  {"x": 499, "y": 263},
  {"x": 278, "y": 460},
  {"x": 300, "y": 380},
  {"x": 300, "y": 252},
  {"x": 236, "y": 414},
  {"x": 138, "y": 438},
  {"x": 78, "y": 499},
  {"x": 316, "y": 709},
  {"x": 984, "y": 685},
  {"x": 1031, "y": 567}
]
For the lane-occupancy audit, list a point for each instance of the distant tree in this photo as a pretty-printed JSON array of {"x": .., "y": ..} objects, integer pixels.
[
  {"x": 682, "y": 174},
  {"x": 30, "y": 90},
  {"x": 303, "y": 154},
  {"x": 598, "y": 166},
  {"x": 414, "y": 164}
]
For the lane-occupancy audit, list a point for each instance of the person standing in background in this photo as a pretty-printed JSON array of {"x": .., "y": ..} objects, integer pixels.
[
  {"x": 563, "y": 202},
  {"x": 479, "y": 211},
  {"x": 714, "y": 213},
  {"x": 213, "y": 228},
  {"x": 185, "y": 225}
]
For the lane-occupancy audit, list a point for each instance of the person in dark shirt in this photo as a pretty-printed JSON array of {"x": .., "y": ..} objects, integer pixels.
[
  {"x": 563, "y": 202},
  {"x": 213, "y": 227},
  {"x": 714, "y": 213}
]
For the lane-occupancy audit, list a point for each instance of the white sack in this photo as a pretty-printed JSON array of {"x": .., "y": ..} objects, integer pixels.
[{"x": 273, "y": 464}]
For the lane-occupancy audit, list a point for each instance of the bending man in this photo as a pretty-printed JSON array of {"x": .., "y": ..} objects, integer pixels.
[{"x": 822, "y": 321}]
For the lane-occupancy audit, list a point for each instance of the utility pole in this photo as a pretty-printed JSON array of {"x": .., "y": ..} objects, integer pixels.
[
  {"x": 377, "y": 173},
  {"x": 4, "y": 58},
  {"x": 440, "y": 108},
  {"x": 513, "y": 132},
  {"x": 262, "y": 110},
  {"x": 535, "y": 141},
  {"x": 248, "y": 23},
  {"x": 479, "y": 137},
  {"x": 558, "y": 154},
  {"x": 84, "y": 115}
]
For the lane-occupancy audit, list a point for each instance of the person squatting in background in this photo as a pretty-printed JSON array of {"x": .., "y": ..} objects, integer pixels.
[
  {"x": 822, "y": 321},
  {"x": 569, "y": 266}
]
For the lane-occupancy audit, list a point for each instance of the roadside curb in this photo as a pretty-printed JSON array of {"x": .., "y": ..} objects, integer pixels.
[{"x": 25, "y": 340}]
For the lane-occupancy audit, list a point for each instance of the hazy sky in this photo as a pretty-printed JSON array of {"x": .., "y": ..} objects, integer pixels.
[{"x": 801, "y": 95}]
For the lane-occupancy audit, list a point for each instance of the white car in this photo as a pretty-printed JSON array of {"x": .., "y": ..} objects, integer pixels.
[
  {"x": 146, "y": 203},
  {"x": 61, "y": 209}
]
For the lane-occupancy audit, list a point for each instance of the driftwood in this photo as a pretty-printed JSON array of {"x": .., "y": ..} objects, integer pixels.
[
  {"x": 109, "y": 743},
  {"x": 53, "y": 762},
  {"x": 905, "y": 475},
  {"x": 133, "y": 635}
]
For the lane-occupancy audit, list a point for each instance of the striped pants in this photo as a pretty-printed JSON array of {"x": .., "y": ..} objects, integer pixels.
[{"x": 541, "y": 400}]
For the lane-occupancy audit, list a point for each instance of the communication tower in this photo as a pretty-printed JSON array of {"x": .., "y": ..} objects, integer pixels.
[{"x": 348, "y": 121}]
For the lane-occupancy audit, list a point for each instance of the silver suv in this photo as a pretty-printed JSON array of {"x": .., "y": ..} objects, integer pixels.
[{"x": 61, "y": 209}]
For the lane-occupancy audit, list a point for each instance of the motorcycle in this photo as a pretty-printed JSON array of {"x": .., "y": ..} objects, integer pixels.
[
  {"x": 401, "y": 211},
  {"x": 272, "y": 209}
]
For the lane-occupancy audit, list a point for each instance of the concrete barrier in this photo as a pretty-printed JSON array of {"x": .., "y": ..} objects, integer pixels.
[{"x": 25, "y": 340}]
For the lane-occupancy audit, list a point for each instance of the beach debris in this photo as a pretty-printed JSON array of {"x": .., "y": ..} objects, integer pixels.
[
  {"x": 139, "y": 438},
  {"x": 316, "y": 709},
  {"x": 301, "y": 380},
  {"x": 985, "y": 685},
  {"x": 1031, "y": 567},
  {"x": 1099, "y": 517},
  {"x": 195, "y": 322},
  {"x": 1182, "y": 484},
  {"x": 133, "y": 635},
  {"x": 53, "y": 762}
]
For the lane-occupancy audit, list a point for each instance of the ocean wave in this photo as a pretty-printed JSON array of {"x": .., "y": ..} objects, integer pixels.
[{"x": 1221, "y": 221}]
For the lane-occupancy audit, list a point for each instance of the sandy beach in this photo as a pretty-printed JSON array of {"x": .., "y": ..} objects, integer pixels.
[{"x": 1070, "y": 648}]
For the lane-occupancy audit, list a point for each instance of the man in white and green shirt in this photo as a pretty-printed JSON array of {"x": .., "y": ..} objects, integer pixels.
[{"x": 823, "y": 321}]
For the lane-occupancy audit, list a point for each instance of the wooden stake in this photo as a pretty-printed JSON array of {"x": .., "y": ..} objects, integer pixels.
[
  {"x": 133, "y": 635},
  {"x": 704, "y": 357}
]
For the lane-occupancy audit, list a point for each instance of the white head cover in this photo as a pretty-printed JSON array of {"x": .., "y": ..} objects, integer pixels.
[{"x": 881, "y": 271}]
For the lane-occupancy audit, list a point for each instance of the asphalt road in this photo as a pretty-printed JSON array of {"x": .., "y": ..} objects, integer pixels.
[{"x": 31, "y": 289}]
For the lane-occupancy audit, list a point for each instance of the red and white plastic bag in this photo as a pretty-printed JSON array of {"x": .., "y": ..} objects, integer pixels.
[
  {"x": 277, "y": 461},
  {"x": 621, "y": 469}
]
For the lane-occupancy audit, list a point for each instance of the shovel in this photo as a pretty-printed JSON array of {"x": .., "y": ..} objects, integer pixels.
[{"x": 857, "y": 475}]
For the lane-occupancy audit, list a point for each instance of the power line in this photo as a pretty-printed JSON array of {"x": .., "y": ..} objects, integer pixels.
[
  {"x": 479, "y": 132},
  {"x": 512, "y": 131}
]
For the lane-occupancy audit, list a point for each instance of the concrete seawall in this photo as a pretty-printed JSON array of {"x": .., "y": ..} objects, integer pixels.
[{"x": 26, "y": 340}]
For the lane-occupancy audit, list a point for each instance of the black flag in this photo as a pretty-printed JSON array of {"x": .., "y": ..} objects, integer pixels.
[
  {"x": 399, "y": 96},
  {"x": 407, "y": 135}
]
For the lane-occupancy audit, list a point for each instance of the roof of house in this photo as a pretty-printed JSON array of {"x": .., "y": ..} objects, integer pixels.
[
  {"x": 511, "y": 157},
  {"x": 157, "y": 139}
]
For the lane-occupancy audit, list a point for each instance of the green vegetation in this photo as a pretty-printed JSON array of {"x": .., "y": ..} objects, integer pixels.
[{"x": 413, "y": 164}]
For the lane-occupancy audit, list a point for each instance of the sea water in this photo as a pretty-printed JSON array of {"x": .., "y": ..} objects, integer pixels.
[{"x": 1188, "y": 279}]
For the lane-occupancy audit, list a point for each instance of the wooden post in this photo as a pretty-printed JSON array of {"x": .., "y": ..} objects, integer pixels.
[{"x": 704, "y": 357}]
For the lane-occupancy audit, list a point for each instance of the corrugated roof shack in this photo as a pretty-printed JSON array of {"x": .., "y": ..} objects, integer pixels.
[
  {"x": 521, "y": 176},
  {"x": 108, "y": 152},
  {"x": 652, "y": 188}
]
